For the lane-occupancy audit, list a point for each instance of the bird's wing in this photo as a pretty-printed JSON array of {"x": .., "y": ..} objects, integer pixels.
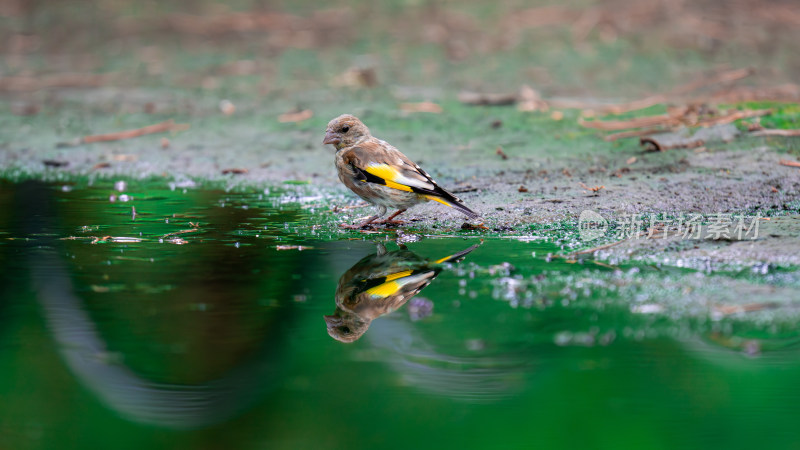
[
  {"x": 406, "y": 283},
  {"x": 377, "y": 162}
]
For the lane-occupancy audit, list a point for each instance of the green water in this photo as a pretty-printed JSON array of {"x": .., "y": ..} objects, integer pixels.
[{"x": 197, "y": 323}]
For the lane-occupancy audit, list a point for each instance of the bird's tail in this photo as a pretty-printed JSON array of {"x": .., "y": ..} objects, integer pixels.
[
  {"x": 456, "y": 204},
  {"x": 457, "y": 256},
  {"x": 463, "y": 209}
]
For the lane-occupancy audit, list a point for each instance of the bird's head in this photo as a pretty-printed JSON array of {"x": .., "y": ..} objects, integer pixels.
[
  {"x": 344, "y": 131},
  {"x": 345, "y": 326}
]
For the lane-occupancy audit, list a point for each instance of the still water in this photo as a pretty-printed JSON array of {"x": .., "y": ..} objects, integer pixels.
[{"x": 148, "y": 317}]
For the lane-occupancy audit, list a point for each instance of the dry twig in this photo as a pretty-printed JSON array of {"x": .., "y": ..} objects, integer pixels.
[
  {"x": 162, "y": 127},
  {"x": 640, "y": 122},
  {"x": 296, "y": 116},
  {"x": 773, "y": 132},
  {"x": 734, "y": 116},
  {"x": 610, "y": 109},
  {"x": 653, "y": 144},
  {"x": 595, "y": 249},
  {"x": 175, "y": 233},
  {"x": 634, "y": 133},
  {"x": 235, "y": 170},
  {"x": 426, "y": 107},
  {"x": 595, "y": 189},
  {"x": 786, "y": 162}
]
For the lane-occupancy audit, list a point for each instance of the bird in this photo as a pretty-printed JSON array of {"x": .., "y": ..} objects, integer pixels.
[
  {"x": 380, "y": 174},
  {"x": 379, "y": 284}
]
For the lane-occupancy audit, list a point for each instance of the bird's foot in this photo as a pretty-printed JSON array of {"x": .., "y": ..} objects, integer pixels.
[
  {"x": 348, "y": 226},
  {"x": 390, "y": 222}
]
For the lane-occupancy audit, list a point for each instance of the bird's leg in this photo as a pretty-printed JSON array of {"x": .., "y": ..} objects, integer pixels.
[
  {"x": 389, "y": 219},
  {"x": 361, "y": 225},
  {"x": 365, "y": 223}
]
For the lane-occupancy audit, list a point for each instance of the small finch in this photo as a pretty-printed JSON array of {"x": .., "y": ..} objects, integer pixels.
[
  {"x": 380, "y": 174},
  {"x": 378, "y": 285}
]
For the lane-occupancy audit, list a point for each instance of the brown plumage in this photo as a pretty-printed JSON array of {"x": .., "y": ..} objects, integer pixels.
[
  {"x": 381, "y": 174},
  {"x": 380, "y": 284}
]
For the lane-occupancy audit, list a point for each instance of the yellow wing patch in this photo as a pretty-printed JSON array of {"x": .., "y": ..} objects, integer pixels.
[
  {"x": 384, "y": 171},
  {"x": 437, "y": 199},
  {"x": 397, "y": 275},
  {"x": 388, "y": 174},
  {"x": 439, "y": 261},
  {"x": 384, "y": 290},
  {"x": 401, "y": 187}
]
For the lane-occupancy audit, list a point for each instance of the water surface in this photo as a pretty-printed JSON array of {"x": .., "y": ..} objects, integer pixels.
[{"x": 136, "y": 316}]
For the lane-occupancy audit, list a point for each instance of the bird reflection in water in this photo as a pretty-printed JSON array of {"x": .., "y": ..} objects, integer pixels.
[{"x": 379, "y": 284}]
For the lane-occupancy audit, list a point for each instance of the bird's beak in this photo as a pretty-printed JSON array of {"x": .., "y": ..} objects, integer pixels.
[
  {"x": 333, "y": 321},
  {"x": 331, "y": 138}
]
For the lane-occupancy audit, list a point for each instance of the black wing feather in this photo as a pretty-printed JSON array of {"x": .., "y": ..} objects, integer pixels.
[{"x": 366, "y": 177}]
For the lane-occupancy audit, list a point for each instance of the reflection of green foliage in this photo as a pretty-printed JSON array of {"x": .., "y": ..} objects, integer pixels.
[
  {"x": 565, "y": 339},
  {"x": 165, "y": 319}
]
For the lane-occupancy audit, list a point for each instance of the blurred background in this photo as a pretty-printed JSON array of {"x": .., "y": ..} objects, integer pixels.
[
  {"x": 78, "y": 68},
  {"x": 620, "y": 48}
]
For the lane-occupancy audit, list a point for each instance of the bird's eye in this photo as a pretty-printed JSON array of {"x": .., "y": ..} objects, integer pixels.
[
  {"x": 345, "y": 330},
  {"x": 345, "y": 129}
]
